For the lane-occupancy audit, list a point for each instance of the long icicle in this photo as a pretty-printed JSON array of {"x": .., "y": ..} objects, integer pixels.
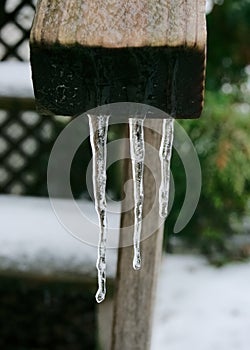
[
  {"x": 137, "y": 152},
  {"x": 98, "y": 137},
  {"x": 165, "y": 153}
]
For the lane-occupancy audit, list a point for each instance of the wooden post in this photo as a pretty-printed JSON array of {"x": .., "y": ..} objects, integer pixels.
[
  {"x": 86, "y": 53},
  {"x": 135, "y": 290}
]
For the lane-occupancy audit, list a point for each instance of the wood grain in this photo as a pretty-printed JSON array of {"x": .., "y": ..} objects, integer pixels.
[
  {"x": 120, "y": 23},
  {"x": 135, "y": 290}
]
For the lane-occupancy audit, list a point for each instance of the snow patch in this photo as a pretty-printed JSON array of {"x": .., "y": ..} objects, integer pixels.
[
  {"x": 33, "y": 240},
  {"x": 202, "y": 307},
  {"x": 15, "y": 79}
]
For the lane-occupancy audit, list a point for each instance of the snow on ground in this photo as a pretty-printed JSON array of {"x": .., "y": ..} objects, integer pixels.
[
  {"x": 32, "y": 239},
  {"x": 200, "y": 307},
  {"x": 15, "y": 79}
]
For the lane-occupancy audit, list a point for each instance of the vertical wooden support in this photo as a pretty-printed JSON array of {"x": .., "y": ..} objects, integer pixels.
[
  {"x": 135, "y": 290},
  {"x": 86, "y": 53}
]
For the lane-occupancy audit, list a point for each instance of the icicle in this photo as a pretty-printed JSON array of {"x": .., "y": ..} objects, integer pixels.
[
  {"x": 98, "y": 137},
  {"x": 137, "y": 155},
  {"x": 165, "y": 153}
]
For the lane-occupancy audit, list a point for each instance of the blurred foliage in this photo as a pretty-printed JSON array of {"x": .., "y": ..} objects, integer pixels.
[
  {"x": 228, "y": 26},
  {"x": 222, "y": 136},
  {"x": 222, "y": 141}
]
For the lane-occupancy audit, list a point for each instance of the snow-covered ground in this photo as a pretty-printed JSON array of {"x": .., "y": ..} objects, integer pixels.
[
  {"x": 15, "y": 79},
  {"x": 198, "y": 307},
  {"x": 32, "y": 239}
]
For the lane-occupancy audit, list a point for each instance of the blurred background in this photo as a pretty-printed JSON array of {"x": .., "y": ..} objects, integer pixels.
[{"x": 47, "y": 288}]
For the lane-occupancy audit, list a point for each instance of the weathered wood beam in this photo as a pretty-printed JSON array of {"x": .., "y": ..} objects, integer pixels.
[
  {"x": 120, "y": 23},
  {"x": 86, "y": 53},
  {"x": 135, "y": 290}
]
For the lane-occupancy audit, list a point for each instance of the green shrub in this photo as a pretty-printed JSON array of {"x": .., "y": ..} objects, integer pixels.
[{"x": 222, "y": 140}]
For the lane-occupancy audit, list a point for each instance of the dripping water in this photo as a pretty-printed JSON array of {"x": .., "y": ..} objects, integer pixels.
[
  {"x": 137, "y": 152},
  {"x": 165, "y": 153},
  {"x": 98, "y": 137}
]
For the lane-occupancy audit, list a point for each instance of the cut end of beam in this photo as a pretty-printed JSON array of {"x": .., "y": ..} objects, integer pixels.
[
  {"x": 86, "y": 53},
  {"x": 120, "y": 23}
]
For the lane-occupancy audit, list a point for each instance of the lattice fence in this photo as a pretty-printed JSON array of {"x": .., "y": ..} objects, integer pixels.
[
  {"x": 15, "y": 22},
  {"x": 26, "y": 139}
]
